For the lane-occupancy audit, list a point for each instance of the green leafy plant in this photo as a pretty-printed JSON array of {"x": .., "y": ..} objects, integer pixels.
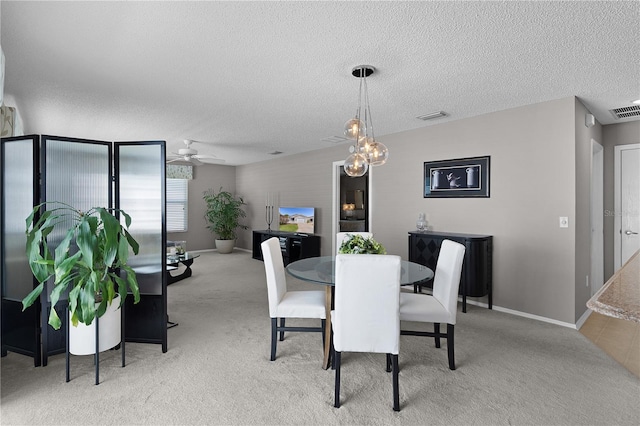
[
  {"x": 223, "y": 213},
  {"x": 357, "y": 244},
  {"x": 88, "y": 259}
]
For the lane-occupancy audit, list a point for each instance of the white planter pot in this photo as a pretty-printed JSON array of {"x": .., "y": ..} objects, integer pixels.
[
  {"x": 82, "y": 339},
  {"x": 225, "y": 246}
]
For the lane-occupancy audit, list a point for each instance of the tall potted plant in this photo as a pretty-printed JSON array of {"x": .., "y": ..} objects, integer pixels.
[
  {"x": 87, "y": 260},
  {"x": 223, "y": 214}
]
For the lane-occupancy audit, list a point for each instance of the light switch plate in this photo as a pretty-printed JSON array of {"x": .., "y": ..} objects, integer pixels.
[{"x": 564, "y": 222}]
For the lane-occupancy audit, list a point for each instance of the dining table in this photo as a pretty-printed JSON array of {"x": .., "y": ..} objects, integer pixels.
[{"x": 321, "y": 270}]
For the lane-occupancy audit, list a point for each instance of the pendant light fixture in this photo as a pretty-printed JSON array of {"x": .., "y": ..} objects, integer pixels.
[{"x": 366, "y": 151}]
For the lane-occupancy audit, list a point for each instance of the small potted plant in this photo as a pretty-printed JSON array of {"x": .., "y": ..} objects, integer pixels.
[
  {"x": 223, "y": 214},
  {"x": 87, "y": 260},
  {"x": 357, "y": 244}
]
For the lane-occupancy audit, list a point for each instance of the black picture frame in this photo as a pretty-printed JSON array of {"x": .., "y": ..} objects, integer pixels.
[{"x": 461, "y": 177}]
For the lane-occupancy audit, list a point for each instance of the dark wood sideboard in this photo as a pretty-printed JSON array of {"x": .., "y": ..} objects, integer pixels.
[
  {"x": 294, "y": 246},
  {"x": 477, "y": 267}
]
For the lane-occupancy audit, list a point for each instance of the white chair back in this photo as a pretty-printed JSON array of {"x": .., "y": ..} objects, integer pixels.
[
  {"x": 274, "y": 269},
  {"x": 447, "y": 277},
  {"x": 367, "y": 303},
  {"x": 341, "y": 236}
]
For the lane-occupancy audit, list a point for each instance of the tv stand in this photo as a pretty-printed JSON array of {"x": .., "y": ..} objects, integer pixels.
[{"x": 294, "y": 246}]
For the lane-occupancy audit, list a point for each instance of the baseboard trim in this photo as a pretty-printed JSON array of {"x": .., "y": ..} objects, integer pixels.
[
  {"x": 206, "y": 250},
  {"x": 525, "y": 314}
]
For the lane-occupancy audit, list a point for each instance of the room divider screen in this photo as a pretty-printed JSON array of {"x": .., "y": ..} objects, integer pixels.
[
  {"x": 19, "y": 193},
  {"x": 140, "y": 191},
  {"x": 82, "y": 173}
]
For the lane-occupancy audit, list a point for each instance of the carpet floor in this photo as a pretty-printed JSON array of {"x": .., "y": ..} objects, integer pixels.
[{"x": 510, "y": 370}]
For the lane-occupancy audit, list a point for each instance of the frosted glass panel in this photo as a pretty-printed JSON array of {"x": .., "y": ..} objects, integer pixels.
[
  {"x": 78, "y": 174},
  {"x": 141, "y": 191},
  {"x": 17, "y": 203}
]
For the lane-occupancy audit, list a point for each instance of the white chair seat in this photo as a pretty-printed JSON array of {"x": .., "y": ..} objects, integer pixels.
[
  {"x": 422, "y": 308},
  {"x": 285, "y": 304},
  {"x": 442, "y": 306},
  {"x": 302, "y": 304}
]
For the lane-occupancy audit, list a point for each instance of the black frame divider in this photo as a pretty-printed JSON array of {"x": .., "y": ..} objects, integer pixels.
[{"x": 28, "y": 332}]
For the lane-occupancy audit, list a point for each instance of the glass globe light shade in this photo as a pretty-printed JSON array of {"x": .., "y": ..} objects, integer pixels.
[
  {"x": 355, "y": 165},
  {"x": 354, "y": 128},
  {"x": 378, "y": 154},
  {"x": 365, "y": 145}
]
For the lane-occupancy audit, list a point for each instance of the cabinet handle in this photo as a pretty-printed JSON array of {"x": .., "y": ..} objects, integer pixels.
[{"x": 630, "y": 233}]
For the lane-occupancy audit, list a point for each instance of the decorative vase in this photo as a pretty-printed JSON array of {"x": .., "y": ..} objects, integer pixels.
[
  {"x": 421, "y": 223},
  {"x": 82, "y": 338},
  {"x": 225, "y": 246}
]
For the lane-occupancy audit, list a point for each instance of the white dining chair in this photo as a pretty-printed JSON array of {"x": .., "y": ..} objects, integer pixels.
[
  {"x": 288, "y": 304},
  {"x": 341, "y": 236},
  {"x": 366, "y": 316},
  {"x": 442, "y": 306}
]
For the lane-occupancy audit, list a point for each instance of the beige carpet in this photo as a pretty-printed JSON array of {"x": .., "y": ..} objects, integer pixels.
[{"x": 511, "y": 370}]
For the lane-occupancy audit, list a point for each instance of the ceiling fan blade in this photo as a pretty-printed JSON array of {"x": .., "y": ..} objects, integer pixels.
[
  {"x": 195, "y": 161},
  {"x": 175, "y": 159},
  {"x": 212, "y": 160}
]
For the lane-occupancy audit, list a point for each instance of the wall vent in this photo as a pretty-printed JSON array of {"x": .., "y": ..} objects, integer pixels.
[
  {"x": 432, "y": 115},
  {"x": 626, "y": 112}
]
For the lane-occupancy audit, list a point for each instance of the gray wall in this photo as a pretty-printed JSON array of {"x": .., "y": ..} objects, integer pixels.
[
  {"x": 303, "y": 180},
  {"x": 198, "y": 237},
  {"x": 583, "y": 163},
  {"x": 540, "y": 170},
  {"x": 533, "y": 182},
  {"x": 613, "y": 134}
]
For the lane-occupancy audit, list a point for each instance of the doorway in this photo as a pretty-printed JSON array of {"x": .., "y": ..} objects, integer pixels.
[
  {"x": 626, "y": 232},
  {"x": 597, "y": 216},
  {"x": 351, "y": 202}
]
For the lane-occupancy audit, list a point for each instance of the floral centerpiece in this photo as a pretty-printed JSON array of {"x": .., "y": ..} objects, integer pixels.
[{"x": 357, "y": 244}]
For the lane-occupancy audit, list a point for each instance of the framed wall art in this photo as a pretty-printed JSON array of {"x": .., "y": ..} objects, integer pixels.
[{"x": 462, "y": 177}]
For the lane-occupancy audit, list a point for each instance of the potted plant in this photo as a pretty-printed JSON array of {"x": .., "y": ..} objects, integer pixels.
[
  {"x": 357, "y": 244},
  {"x": 223, "y": 214},
  {"x": 87, "y": 262}
]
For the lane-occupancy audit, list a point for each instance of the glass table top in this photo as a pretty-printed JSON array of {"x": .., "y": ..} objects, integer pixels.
[{"x": 321, "y": 270}]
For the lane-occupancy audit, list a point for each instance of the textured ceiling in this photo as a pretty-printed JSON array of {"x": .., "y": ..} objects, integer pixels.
[{"x": 250, "y": 78}]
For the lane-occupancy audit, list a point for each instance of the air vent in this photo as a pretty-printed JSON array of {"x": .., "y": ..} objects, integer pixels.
[
  {"x": 334, "y": 139},
  {"x": 626, "y": 112},
  {"x": 432, "y": 115},
  {"x": 275, "y": 153}
]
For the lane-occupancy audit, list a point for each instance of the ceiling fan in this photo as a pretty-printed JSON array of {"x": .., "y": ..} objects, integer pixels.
[{"x": 191, "y": 155}]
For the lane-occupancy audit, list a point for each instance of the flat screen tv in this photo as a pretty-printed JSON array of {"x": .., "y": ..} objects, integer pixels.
[{"x": 297, "y": 219}]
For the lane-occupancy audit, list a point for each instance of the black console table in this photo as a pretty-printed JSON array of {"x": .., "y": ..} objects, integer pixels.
[
  {"x": 477, "y": 268},
  {"x": 294, "y": 246}
]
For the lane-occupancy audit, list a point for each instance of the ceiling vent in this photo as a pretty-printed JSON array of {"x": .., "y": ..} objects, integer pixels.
[
  {"x": 626, "y": 112},
  {"x": 432, "y": 115},
  {"x": 334, "y": 139}
]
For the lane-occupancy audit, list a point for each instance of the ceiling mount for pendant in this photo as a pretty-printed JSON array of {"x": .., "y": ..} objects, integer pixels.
[{"x": 358, "y": 71}]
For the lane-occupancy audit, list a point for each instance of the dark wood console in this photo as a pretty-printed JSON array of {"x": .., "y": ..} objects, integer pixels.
[
  {"x": 293, "y": 246},
  {"x": 477, "y": 268}
]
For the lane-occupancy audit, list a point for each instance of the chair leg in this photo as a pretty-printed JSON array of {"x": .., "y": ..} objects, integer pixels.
[
  {"x": 396, "y": 391},
  {"x": 388, "y": 363},
  {"x": 281, "y": 331},
  {"x": 436, "y": 331},
  {"x": 452, "y": 362},
  {"x": 274, "y": 338},
  {"x": 337, "y": 364}
]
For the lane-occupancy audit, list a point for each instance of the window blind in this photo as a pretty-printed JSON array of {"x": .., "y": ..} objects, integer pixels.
[{"x": 177, "y": 200}]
